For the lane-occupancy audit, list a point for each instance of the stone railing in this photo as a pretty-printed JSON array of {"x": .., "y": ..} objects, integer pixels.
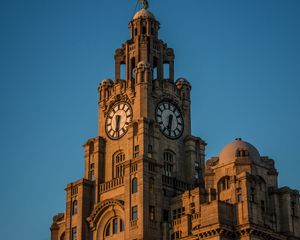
[
  {"x": 116, "y": 182},
  {"x": 173, "y": 182},
  {"x": 133, "y": 223},
  {"x": 176, "y": 222}
]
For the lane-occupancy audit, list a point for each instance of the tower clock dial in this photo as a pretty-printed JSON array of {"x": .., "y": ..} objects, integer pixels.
[
  {"x": 169, "y": 119},
  {"x": 118, "y": 119}
]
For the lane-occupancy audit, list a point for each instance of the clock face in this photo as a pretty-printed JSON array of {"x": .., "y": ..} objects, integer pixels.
[
  {"x": 169, "y": 119},
  {"x": 118, "y": 119}
]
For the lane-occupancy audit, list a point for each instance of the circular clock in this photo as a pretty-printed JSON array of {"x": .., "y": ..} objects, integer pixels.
[
  {"x": 118, "y": 119},
  {"x": 169, "y": 119}
]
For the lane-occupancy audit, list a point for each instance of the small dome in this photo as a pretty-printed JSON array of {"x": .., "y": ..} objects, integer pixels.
[
  {"x": 238, "y": 148},
  {"x": 143, "y": 13},
  {"x": 180, "y": 82},
  {"x": 107, "y": 82}
]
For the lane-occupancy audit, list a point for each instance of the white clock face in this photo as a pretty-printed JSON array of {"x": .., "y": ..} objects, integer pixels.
[
  {"x": 118, "y": 119},
  {"x": 169, "y": 120}
]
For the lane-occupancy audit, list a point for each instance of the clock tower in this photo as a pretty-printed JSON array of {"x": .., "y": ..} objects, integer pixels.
[{"x": 144, "y": 154}]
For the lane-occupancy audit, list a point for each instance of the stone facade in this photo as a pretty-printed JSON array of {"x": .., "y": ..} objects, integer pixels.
[{"x": 145, "y": 174}]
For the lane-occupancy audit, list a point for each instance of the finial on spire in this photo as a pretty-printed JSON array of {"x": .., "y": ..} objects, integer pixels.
[{"x": 145, "y": 3}]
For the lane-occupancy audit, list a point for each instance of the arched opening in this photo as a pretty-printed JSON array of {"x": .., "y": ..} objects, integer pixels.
[
  {"x": 122, "y": 71},
  {"x": 155, "y": 62},
  {"x": 114, "y": 227},
  {"x": 166, "y": 70},
  {"x": 224, "y": 183},
  {"x": 132, "y": 66}
]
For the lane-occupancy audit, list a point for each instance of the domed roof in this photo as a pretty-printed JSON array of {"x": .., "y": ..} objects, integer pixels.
[
  {"x": 107, "y": 81},
  {"x": 143, "y": 13},
  {"x": 238, "y": 148}
]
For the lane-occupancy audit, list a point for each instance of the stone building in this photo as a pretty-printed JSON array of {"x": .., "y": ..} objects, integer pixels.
[{"x": 145, "y": 174}]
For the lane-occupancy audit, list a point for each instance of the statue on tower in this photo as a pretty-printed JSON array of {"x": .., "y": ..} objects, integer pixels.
[{"x": 145, "y": 3}]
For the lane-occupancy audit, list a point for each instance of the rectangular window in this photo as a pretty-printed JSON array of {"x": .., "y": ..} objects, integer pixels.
[
  {"x": 74, "y": 233},
  {"x": 174, "y": 213},
  {"x": 239, "y": 198},
  {"x": 92, "y": 175},
  {"x": 152, "y": 213},
  {"x": 134, "y": 213}
]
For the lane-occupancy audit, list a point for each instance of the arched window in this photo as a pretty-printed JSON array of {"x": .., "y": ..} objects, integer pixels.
[
  {"x": 242, "y": 153},
  {"x": 107, "y": 231},
  {"x": 74, "y": 207},
  {"x": 134, "y": 185},
  {"x": 118, "y": 162},
  {"x": 224, "y": 183},
  {"x": 122, "y": 228},
  {"x": 114, "y": 226}
]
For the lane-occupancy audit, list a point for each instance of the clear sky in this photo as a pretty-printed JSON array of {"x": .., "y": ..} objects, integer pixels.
[{"x": 242, "y": 58}]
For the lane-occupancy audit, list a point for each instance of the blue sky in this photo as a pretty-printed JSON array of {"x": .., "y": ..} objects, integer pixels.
[{"x": 242, "y": 58}]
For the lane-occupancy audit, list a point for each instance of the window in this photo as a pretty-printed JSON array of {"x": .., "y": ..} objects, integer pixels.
[
  {"x": 122, "y": 228},
  {"x": 74, "y": 233},
  {"x": 239, "y": 198},
  {"x": 136, "y": 151},
  {"x": 151, "y": 184},
  {"x": 168, "y": 164},
  {"x": 134, "y": 185},
  {"x": 118, "y": 162},
  {"x": 92, "y": 175},
  {"x": 152, "y": 213},
  {"x": 177, "y": 213},
  {"x": 107, "y": 231},
  {"x": 74, "y": 207},
  {"x": 224, "y": 183},
  {"x": 242, "y": 153},
  {"x": 134, "y": 213},
  {"x": 115, "y": 225},
  {"x": 197, "y": 170},
  {"x": 252, "y": 194}
]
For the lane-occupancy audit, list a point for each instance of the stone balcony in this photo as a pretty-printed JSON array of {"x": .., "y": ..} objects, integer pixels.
[{"x": 115, "y": 183}]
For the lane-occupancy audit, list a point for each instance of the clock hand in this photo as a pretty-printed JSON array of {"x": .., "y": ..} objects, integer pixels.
[
  {"x": 169, "y": 127},
  {"x": 118, "y": 120}
]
